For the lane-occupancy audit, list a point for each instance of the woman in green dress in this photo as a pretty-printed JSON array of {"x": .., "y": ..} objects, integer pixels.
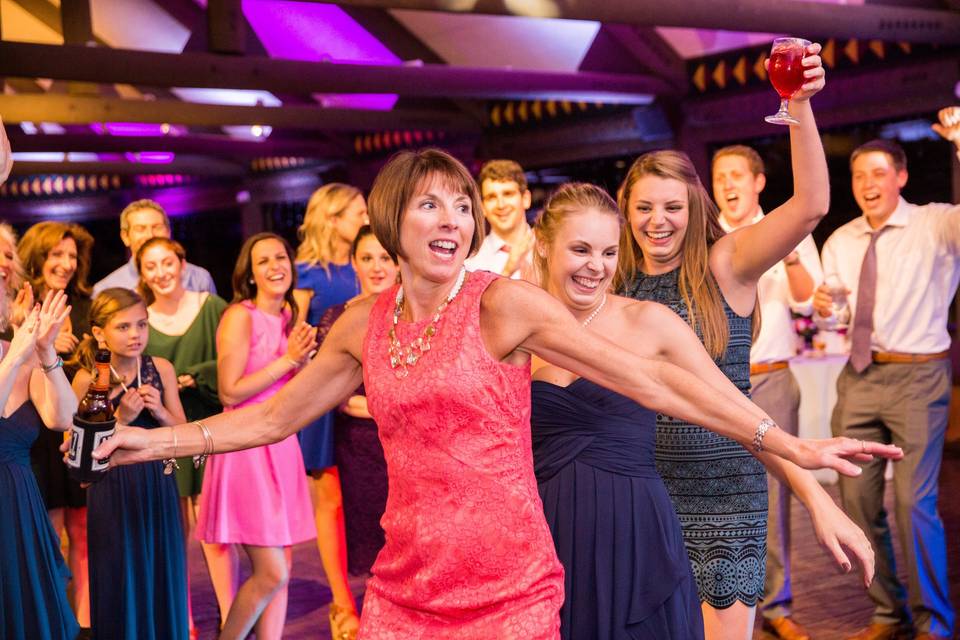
[{"x": 183, "y": 328}]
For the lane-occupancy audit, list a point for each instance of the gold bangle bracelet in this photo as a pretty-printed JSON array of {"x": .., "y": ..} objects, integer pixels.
[{"x": 171, "y": 463}]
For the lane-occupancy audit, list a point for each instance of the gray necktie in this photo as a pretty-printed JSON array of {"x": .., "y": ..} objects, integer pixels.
[{"x": 860, "y": 355}]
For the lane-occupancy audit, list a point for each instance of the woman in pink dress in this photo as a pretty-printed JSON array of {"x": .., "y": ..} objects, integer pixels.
[
  {"x": 258, "y": 497},
  {"x": 445, "y": 362}
]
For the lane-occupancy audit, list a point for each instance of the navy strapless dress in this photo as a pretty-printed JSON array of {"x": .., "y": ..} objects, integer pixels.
[
  {"x": 33, "y": 575},
  {"x": 138, "y": 569},
  {"x": 626, "y": 571}
]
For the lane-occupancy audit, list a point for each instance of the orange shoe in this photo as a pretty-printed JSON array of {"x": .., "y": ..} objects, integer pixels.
[
  {"x": 880, "y": 631},
  {"x": 785, "y": 628}
]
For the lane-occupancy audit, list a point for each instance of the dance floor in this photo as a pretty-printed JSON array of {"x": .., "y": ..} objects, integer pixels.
[{"x": 831, "y": 605}]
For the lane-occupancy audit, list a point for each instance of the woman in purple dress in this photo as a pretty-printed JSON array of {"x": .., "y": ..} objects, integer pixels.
[{"x": 359, "y": 454}]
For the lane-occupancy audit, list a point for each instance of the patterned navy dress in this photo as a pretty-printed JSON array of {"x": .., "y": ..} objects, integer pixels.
[{"x": 718, "y": 488}]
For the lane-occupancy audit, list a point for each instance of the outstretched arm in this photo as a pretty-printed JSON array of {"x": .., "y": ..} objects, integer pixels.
[
  {"x": 529, "y": 319},
  {"x": 331, "y": 376},
  {"x": 753, "y": 249},
  {"x": 675, "y": 342}
]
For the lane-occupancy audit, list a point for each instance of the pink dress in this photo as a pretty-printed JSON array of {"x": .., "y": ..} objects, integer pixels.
[
  {"x": 468, "y": 554},
  {"x": 258, "y": 496}
]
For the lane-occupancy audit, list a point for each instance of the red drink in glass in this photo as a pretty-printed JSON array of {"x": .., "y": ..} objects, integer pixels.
[{"x": 786, "y": 70}]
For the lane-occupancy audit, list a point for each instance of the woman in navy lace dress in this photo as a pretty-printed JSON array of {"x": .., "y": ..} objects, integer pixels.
[{"x": 676, "y": 253}]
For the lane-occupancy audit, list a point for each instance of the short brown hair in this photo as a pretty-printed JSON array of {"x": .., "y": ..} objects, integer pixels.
[
  {"x": 40, "y": 239},
  {"x": 503, "y": 171},
  {"x": 398, "y": 182},
  {"x": 753, "y": 158},
  {"x": 889, "y": 147},
  {"x": 142, "y": 288},
  {"x": 138, "y": 205}
]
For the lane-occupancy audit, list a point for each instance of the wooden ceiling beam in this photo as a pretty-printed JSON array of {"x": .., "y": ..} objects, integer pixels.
[
  {"x": 212, "y": 145},
  {"x": 69, "y": 109},
  {"x": 800, "y": 17},
  {"x": 100, "y": 64}
]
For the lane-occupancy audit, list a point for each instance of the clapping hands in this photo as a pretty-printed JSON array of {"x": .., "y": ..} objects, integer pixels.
[
  {"x": 53, "y": 314},
  {"x": 39, "y": 325},
  {"x": 301, "y": 343}
]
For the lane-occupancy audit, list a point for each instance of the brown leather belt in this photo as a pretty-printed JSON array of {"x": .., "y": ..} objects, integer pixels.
[
  {"x": 893, "y": 357},
  {"x": 767, "y": 367}
]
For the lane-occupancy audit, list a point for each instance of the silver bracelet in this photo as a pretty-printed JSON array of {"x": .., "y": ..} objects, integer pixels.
[
  {"x": 765, "y": 425},
  {"x": 171, "y": 463},
  {"x": 207, "y": 444},
  {"x": 47, "y": 368}
]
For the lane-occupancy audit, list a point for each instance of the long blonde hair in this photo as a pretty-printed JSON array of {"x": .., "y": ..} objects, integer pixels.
[
  {"x": 698, "y": 288},
  {"x": 569, "y": 199},
  {"x": 317, "y": 232}
]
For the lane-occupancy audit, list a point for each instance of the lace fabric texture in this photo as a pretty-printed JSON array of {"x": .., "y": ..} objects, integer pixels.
[
  {"x": 718, "y": 488},
  {"x": 468, "y": 553}
]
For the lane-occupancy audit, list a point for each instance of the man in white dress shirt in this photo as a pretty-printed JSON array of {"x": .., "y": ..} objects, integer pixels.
[
  {"x": 900, "y": 263},
  {"x": 508, "y": 247},
  {"x": 738, "y": 179}
]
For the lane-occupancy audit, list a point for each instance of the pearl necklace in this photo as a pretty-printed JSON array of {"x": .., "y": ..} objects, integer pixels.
[
  {"x": 402, "y": 357},
  {"x": 593, "y": 314}
]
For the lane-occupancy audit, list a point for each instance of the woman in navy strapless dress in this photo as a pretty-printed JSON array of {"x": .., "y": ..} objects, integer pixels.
[
  {"x": 33, "y": 575},
  {"x": 626, "y": 569}
]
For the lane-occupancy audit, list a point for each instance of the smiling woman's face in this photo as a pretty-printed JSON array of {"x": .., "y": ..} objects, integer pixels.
[{"x": 658, "y": 212}]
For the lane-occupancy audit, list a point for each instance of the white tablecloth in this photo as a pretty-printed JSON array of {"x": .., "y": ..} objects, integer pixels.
[{"x": 817, "y": 377}]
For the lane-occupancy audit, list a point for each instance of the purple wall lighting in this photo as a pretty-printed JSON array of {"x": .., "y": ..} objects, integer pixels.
[
  {"x": 320, "y": 33},
  {"x": 150, "y": 157},
  {"x": 132, "y": 129}
]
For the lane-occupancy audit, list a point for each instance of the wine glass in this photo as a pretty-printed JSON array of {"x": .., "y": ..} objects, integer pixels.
[{"x": 786, "y": 74}]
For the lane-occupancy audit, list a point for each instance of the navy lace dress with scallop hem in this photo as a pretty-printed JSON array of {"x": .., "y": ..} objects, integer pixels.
[
  {"x": 626, "y": 571},
  {"x": 33, "y": 575},
  {"x": 138, "y": 580},
  {"x": 718, "y": 488}
]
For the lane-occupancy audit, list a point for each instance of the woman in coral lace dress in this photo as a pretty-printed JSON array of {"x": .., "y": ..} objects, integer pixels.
[{"x": 445, "y": 363}]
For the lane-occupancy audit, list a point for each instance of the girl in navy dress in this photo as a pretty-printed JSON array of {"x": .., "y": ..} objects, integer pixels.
[{"x": 138, "y": 582}]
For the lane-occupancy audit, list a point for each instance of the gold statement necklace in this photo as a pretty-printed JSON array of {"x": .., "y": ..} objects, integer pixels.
[{"x": 402, "y": 357}]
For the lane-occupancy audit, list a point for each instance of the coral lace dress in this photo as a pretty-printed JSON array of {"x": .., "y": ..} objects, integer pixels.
[{"x": 468, "y": 554}]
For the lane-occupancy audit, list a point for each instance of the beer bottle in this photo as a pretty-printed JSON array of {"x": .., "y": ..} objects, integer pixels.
[{"x": 93, "y": 423}]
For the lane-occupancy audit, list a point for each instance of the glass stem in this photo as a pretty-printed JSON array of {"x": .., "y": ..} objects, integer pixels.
[{"x": 784, "y": 103}]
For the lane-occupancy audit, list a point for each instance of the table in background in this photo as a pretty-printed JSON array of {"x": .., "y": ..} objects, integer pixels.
[{"x": 817, "y": 377}]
